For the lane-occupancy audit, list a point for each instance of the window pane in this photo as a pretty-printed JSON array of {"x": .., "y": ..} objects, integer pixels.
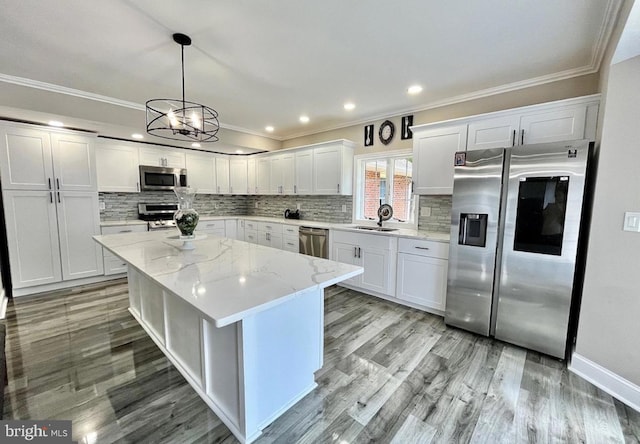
[
  {"x": 375, "y": 187},
  {"x": 402, "y": 177}
]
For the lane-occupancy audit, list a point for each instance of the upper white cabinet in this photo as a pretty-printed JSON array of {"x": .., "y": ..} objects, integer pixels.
[
  {"x": 201, "y": 172},
  {"x": 282, "y": 173},
  {"x": 222, "y": 175},
  {"x": 238, "y": 179},
  {"x": 333, "y": 168},
  {"x": 117, "y": 167},
  {"x": 163, "y": 157},
  {"x": 252, "y": 187},
  {"x": 433, "y": 154},
  {"x": 434, "y": 144},
  {"x": 263, "y": 175},
  {"x": 303, "y": 172},
  {"x": 34, "y": 159}
]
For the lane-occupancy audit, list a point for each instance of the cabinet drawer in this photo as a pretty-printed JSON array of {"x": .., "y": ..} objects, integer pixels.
[
  {"x": 210, "y": 225},
  {"x": 291, "y": 243},
  {"x": 381, "y": 241},
  {"x": 250, "y": 225},
  {"x": 423, "y": 247},
  {"x": 269, "y": 227},
  {"x": 116, "y": 229},
  {"x": 290, "y": 230},
  {"x": 251, "y": 236}
]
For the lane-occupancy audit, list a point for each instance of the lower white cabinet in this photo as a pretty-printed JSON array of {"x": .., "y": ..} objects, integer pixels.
[
  {"x": 422, "y": 273},
  {"x": 49, "y": 236},
  {"x": 375, "y": 253},
  {"x": 290, "y": 238},
  {"x": 112, "y": 263},
  {"x": 270, "y": 234},
  {"x": 214, "y": 227}
]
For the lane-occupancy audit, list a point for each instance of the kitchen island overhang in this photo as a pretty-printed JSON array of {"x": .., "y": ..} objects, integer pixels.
[{"x": 243, "y": 323}]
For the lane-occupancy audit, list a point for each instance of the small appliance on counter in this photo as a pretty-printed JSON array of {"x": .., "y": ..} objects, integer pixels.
[{"x": 288, "y": 214}]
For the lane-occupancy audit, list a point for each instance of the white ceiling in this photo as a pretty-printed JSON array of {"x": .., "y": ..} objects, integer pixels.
[{"x": 264, "y": 63}]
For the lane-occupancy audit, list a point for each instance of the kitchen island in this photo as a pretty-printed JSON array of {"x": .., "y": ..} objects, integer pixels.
[{"x": 243, "y": 323}]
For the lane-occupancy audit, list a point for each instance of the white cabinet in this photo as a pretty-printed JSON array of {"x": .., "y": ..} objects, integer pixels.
[
  {"x": 303, "y": 172},
  {"x": 333, "y": 168},
  {"x": 231, "y": 228},
  {"x": 112, "y": 263},
  {"x": 375, "y": 253},
  {"x": 117, "y": 167},
  {"x": 523, "y": 128},
  {"x": 201, "y": 172},
  {"x": 49, "y": 236},
  {"x": 34, "y": 159},
  {"x": 252, "y": 187},
  {"x": 238, "y": 179},
  {"x": 290, "y": 238},
  {"x": 433, "y": 153},
  {"x": 222, "y": 175},
  {"x": 240, "y": 229},
  {"x": 422, "y": 273},
  {"x": 263, "y": 175},
  {"x": 282, "y": 173},
  {"x": 163, "y": 157},
  {"x": 270, "y": 234},
  {"x": 213, "y": 227}
]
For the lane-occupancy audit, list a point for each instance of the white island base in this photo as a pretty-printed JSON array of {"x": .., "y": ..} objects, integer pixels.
[{"x": 248, "y": 372}]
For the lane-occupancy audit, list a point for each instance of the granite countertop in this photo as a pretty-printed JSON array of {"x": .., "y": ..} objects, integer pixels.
[
  {"x": 402, "y": 232},
  {"x": 227, "y": 280}
]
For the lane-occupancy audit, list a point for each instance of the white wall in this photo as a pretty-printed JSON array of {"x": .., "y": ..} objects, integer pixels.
[{"x": 609, "y": 326}]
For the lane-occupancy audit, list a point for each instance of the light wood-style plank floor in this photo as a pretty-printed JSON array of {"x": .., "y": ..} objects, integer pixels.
[{"x": 391, "y": 375}]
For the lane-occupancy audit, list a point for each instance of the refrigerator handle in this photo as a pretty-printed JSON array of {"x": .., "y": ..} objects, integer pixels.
[{"x": 462, "y": 234}]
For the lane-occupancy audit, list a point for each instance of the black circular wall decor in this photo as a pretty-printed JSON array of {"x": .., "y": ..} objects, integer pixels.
[{"x": 387, "y": 129}]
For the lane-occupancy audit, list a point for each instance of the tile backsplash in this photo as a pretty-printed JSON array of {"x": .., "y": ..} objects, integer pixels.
[{"x": 121, "y": 206}]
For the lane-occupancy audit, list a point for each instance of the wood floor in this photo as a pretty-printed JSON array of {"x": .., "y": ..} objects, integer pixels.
[{"x": 391, "y": 375}]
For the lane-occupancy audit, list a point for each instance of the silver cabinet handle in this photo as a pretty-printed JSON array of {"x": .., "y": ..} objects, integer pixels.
[
  {"x": 422, "y": 248},
  {"x": 289, "y": 243},
  {"x": 338, "y": 188},
  {"x": 59, "y": 197},
  {"x": 137, "y": 186},
  {"x": 51, "y": 196},
  {"x": 49, "y": 183},
  {"x": 359, "y": 252},
  {"x": 513, "y": 141},
  {"x": 57, "y": 183},
  {"x": 295, "y": 189},
  {"x": 125, "y": 231},
  {"x": 230, "y": 190},
  {"x": 218, "y": 189},
  {"x": 522, "y": 137}
]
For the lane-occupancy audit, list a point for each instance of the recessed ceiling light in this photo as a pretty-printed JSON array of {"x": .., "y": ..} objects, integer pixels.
[
  {"x": 195, "y": 145},
  {"x": 239, "y": 151},
  {"x": 55, "y": 123},
  {"x": 269, "y": 128},
  {"x": 414, "y": 89},
  {"x": 137, "y": 136},
  {"x": 304, "y": 119},
  {"x": 349, "y": 106}
]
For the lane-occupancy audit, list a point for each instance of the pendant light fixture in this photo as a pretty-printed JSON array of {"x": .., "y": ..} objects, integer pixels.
[{"x": 180, "y": 119}]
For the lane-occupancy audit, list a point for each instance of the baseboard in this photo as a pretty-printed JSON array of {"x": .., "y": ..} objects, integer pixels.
[{"x": 615, "y": 385}]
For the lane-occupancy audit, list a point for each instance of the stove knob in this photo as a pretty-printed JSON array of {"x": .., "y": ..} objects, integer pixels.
[{"x": 163, "y": 222}]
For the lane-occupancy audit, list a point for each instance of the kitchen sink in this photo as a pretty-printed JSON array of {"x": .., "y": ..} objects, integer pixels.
[{"x": 366, "y": 227}]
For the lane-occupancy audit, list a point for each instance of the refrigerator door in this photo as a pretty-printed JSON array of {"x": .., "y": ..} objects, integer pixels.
[
  {"x": 474, "y": 235},
  {"x": 542, "y": 222}
]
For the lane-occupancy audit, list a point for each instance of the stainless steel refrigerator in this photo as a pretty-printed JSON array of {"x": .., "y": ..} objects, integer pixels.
[{"x": 515, "y": 228}]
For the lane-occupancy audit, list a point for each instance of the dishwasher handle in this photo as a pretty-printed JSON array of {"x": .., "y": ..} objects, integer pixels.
[{"x": 313, "y": 231}]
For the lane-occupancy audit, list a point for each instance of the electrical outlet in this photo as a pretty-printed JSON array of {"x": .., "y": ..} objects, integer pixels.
[
  {"x": 344, "y": 208},
  {"x": 631, "y": 221},
  {"x": 102, "y": 206},
  {"x": 298, "y": 206},
  {"x": 425, "y": 211}
]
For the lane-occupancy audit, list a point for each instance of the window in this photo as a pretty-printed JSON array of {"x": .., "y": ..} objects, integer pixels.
[{"x": 384, "y": 178}]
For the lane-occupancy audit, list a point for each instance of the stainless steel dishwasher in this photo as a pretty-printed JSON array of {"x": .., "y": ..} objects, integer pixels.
[{"x": 313, "y": 241}]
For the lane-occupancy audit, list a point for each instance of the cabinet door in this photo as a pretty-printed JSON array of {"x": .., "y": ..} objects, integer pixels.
[
  {"x": 553, "y": 126},
  {"x": 117, "y": 168},
  {"x": 32, "y": 237},
  {"x": 422, "y": 280},
  {"x": 222, "y": 175},
  {"x": 252, "y": 187},
  {"x": 433, "y": 152},
  {"x": 303, "y": 172},
  {"x": 78, "y": 221},
  {"x": 251, "y": 236},
  {"x": 500, "y": 132},
  {"x": 152, "y": 157},
  {"x": 346, "y": 253},
  {"x": 74, "y": 162},
  {"x": 238, "y": 175},
  {"x": 25, "y": 159},
  {"x": 327, "y": 170},
  {"x": 201, "y": 172},
  {"x": 263, "y": 175},
  {"x": 276, "y": 240},
  {"x": 377, "y": 270},
  {"x": 276, "y": 175},
  {"x": 240, "y": 229},
  {"x": 174, "y": 158},
  {"x": 263, "y": 238},
  {"x": 288, "y": 164}
]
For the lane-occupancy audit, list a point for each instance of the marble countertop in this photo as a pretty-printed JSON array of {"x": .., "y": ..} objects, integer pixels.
[
  {"x": 227, "y": 280},
  {"x": 402, "y": 232}
]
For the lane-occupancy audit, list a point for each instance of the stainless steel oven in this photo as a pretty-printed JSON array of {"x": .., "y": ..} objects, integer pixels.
[{"x": 153, "y": 178}]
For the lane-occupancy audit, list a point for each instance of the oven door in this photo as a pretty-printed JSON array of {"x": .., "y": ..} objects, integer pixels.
[{"x": 159, "y": 178}]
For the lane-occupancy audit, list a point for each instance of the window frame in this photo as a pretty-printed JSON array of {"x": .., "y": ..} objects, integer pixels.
[{"x": 359, "y": 161}]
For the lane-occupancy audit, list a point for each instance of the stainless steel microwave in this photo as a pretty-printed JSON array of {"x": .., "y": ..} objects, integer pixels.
[{"x": 153, "y": 178}]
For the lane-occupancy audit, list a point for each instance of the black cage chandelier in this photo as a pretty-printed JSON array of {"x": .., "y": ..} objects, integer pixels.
[{"x": 180, "y": 119}]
